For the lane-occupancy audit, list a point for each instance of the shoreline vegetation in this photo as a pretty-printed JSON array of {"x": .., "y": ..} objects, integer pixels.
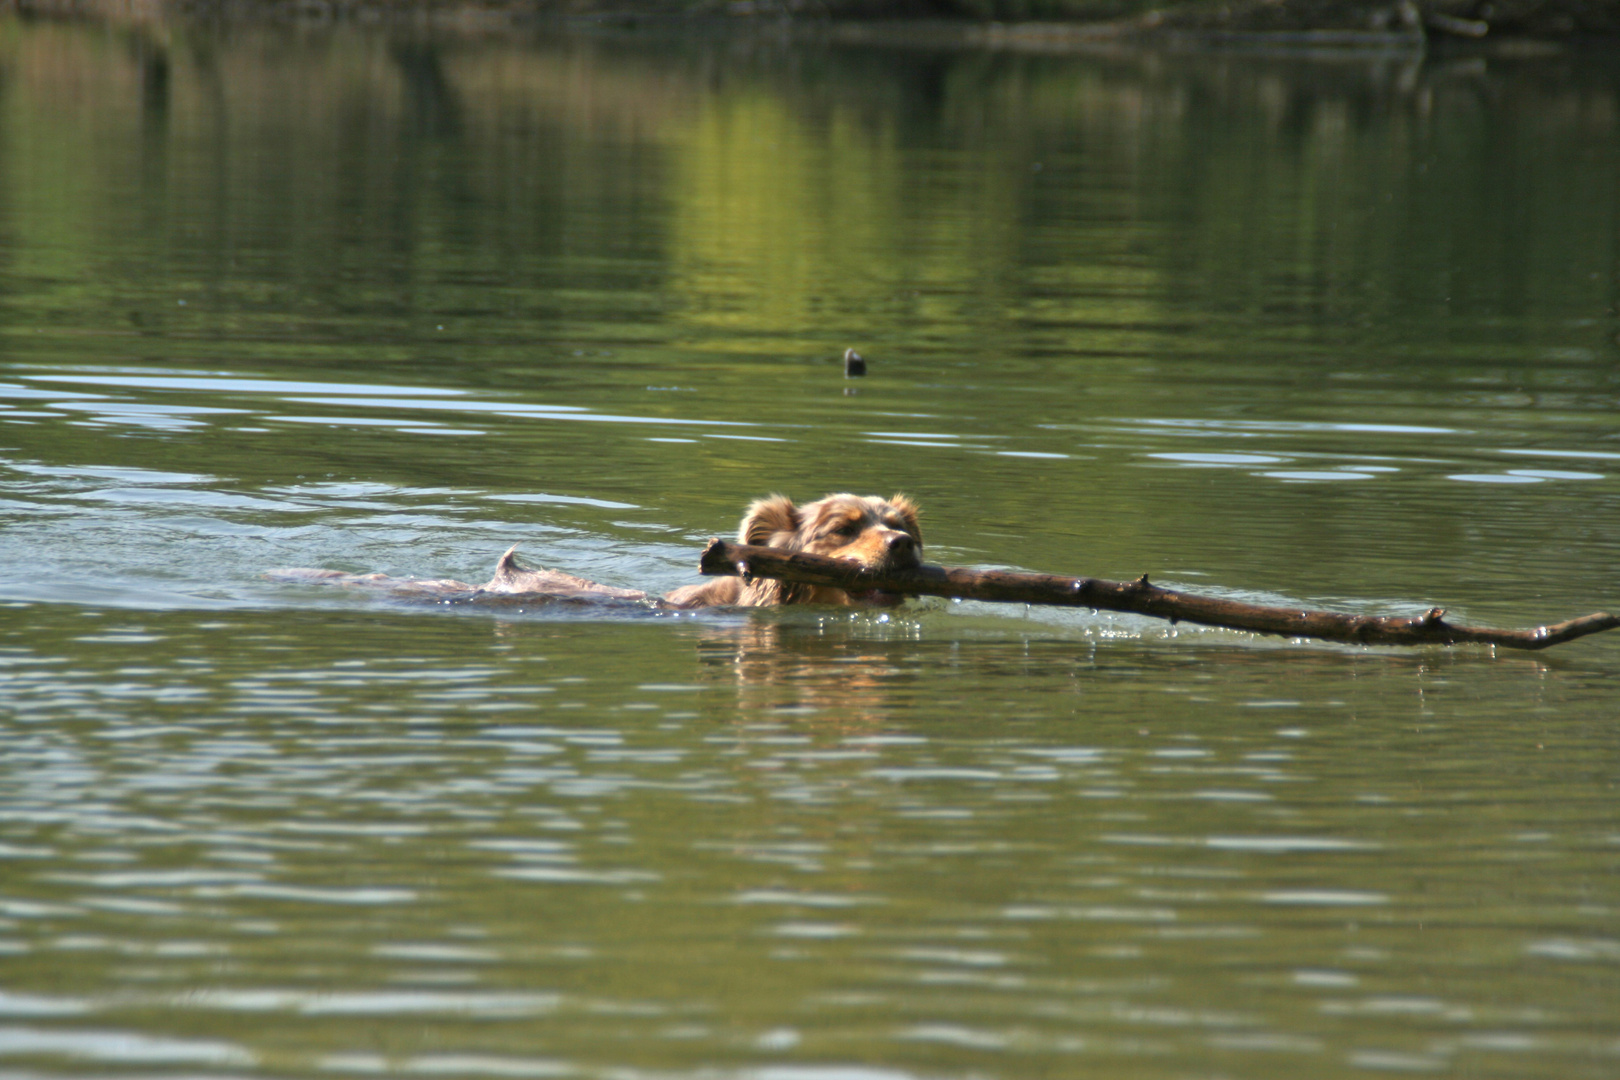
[{"x": 1029, "y": 24}]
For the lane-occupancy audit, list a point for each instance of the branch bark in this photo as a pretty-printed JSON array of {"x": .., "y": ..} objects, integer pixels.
[{"x": 723, "y": 557}]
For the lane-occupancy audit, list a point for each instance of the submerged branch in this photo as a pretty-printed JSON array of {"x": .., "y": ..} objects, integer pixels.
[{"x": 722, "y": 557}]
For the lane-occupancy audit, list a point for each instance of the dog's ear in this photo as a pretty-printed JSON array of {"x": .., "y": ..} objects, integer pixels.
[
  {"x": 908, "y": 510},
  {"x": 768, "y": 519}
]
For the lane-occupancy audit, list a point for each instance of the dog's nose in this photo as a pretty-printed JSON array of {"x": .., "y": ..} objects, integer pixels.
[{"x": 899, "y": 543}]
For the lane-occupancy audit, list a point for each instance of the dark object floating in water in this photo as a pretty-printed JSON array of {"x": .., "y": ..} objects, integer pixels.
[
  {"x": 723, "y": 557},
  {"x": 854, "y": 364}
]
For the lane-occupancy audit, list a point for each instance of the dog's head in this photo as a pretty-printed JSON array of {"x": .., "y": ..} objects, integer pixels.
[{"x": 880, "y": 533}]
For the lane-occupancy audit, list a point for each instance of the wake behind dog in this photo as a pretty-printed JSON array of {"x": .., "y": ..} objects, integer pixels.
[{"x": 881, "y": 534}]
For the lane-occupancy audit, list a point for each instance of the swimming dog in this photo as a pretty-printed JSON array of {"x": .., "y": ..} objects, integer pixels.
[
  {"x": 881, "y": 534},
  {"x": 878, "y": 533}
]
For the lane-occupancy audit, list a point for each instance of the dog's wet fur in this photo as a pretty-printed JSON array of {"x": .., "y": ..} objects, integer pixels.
[{"x": 878, "y": 533}]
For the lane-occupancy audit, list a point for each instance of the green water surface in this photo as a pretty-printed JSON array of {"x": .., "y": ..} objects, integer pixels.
[{"x": 1333, "y": 330}]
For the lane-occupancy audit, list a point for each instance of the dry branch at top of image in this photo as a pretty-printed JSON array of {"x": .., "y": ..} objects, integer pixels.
[{"x": 722, "y": 557}]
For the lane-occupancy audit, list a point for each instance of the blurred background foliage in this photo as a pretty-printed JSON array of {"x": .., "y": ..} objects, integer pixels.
[{"x": 1416, "y": 19}]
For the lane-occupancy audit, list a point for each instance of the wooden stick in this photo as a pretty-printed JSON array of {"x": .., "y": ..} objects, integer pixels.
[{"x": 722, "y": 557}]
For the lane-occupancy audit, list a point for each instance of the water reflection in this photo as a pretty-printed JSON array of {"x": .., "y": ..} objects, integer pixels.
[
  {"x": 1123, "y": 314},
  {"x": 467, "y": 836},
  {"x": 793, "y": 667}
]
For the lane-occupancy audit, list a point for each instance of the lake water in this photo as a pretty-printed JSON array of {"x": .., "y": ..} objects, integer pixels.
[{"x": 1333, "y": 330}]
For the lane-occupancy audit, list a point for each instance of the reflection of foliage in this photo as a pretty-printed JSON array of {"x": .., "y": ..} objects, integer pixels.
[
  {"x": 1459, "y": 18},
  {"x": 788, "y": 225},
  {"x": 807, "y": 198},
  {"x": 1122, "y": 236}
]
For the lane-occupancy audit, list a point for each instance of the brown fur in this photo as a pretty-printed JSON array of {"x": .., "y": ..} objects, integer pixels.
[{"x": 880, "y": 533}]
